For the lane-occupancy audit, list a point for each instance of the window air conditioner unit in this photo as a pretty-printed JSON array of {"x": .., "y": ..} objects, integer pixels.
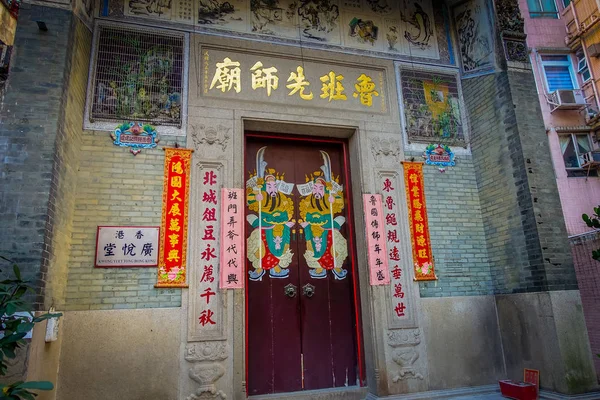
[
  {"x": 566, "y": 100},
  {"x": 594, "y": 50}
]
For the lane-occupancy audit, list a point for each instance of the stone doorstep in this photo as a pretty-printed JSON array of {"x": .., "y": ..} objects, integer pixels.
[
  {"x": 488, "y": 392},
  {"x": 345, "y": 393}
]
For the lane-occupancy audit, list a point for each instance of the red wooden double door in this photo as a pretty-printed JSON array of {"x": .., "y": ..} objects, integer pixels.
[{"x": 301, "y": 298}]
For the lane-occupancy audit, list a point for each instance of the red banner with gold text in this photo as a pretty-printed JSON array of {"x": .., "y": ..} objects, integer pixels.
[
  {"x": 174, "y": 226},
  {"x": 417, "y": 217}
]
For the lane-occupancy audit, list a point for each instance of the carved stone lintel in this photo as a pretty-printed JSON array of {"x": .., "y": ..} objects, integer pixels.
[
  {"x": 206, "y": 351},
  {"x": 516, "y": 50},
  {"x": 385, "y": 150},
  {"x": 405, "y": 343},
  {"x": 206, "y": 375},
  {"x": 208, "y": 135},
  {"x": 510, "y": 21},
  {"x": 207, "y": 395},
  {"x": 512, "y": 30}
]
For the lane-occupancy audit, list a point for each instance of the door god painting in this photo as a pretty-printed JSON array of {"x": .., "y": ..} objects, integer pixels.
[
  {"x": 326, "y": 248},
  {"x": 267, "y": 197}
]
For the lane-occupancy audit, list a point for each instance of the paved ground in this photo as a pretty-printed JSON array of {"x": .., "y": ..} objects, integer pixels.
[
  {"x": 447, "y": 395},
  {"x": 493, "y": 396}
]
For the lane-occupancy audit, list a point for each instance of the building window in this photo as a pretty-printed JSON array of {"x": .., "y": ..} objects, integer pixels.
[
  {"x": 573, "y": 147},
  {"x": 566, "y": 3},
  {"x": 582, "y": 67},
  {"x": 138, "y": 76},
  {"x": 558, "y": 72},
  {"x": 542, "y": 9}
]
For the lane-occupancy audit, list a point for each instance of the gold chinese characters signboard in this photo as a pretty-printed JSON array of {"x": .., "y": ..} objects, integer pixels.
[
  {"x": 173, "y": 233},
  {"x": 289, "y": 81}
]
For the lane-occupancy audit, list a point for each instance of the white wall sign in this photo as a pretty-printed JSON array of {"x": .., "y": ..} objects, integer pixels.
[{"x": 127, "y": 246}]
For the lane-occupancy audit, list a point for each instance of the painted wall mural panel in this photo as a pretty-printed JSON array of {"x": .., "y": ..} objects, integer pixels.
[
  {"x": 475, "y": 41},
  {"x": 432, "y": 107},
  {"x": 363, "y": 31},
  {"x": 270, "y": 17},
  {"x": 232, "y": 15},
  {"x": 407, "y": 27},
  {"x": 156, "y": 9},
  {"x": 419, "y": 29},
  {"x": 393, "y": 36},
  {"x": 319, "y": 20}
]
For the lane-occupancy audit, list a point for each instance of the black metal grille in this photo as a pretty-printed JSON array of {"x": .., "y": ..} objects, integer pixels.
[{"x": 138, "y": 76}]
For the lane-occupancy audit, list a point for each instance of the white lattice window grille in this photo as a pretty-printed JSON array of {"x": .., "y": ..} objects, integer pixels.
[{"x": 138, "y": 75}]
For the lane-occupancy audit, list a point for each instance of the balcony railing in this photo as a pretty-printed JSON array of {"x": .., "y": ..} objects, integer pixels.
[{"x": 580, "y": 16}]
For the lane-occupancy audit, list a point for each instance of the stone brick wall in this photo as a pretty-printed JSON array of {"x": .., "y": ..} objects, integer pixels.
[
  {"x": 588, "y": 278},
  {"x": 538, "y": 192},
  {"x": 527, "y": 245},
  {"x": 115, "y": 188},
  {"x": 66, "y": 162},
  {"x": 457, "y": 233},
  {"x": 29, "y": 121}
]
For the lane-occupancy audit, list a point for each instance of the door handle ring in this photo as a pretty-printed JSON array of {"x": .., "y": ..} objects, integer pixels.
[
  {"x": 308, "y": 290},
  {"x": 290, "y": 290}
]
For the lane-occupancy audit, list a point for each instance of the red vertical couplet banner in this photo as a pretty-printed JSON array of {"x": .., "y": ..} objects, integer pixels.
[
  {"x": 419, "y": 227},
  {"x": 378, "y": 259},
  {"x": 174, "y": 225},
  {"x": 232, "y": 243}
]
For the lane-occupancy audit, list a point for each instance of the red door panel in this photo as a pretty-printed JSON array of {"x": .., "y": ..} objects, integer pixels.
[
  {"x": 274, "y": 342},
  {"x": 328, "y": 340},
  {"x": 307, "y": 340}
]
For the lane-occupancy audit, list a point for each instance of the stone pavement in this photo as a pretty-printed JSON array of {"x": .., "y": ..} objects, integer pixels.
[{"x": 489, "y": 392}]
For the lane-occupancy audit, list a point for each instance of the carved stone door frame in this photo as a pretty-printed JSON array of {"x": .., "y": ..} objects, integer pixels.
[
  {"x": 220, "y": 369},
  {"x": 350, "y": 135}
]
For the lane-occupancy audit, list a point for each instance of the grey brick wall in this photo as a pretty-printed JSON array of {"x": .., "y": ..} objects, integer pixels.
[
  {"x": 538, "y": 193},
  {"x": 66, "y": 163},
  {"x": 457, "y": 233},
  {"x": 527, "y": 244},
  {"x": 60, "y": 182},
  {"x": 28, "y": 128}
]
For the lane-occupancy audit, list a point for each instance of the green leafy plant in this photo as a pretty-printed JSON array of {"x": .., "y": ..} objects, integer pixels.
[
  {"x": 16, "y": 320},
  {"x": 593, "y": 222}
]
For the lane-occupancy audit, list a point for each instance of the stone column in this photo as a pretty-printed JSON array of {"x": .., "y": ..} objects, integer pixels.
[{"x": 402, "y": 341}]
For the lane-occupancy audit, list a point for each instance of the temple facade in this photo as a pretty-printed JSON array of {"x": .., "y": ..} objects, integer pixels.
[{"x": 295, "y": 199}]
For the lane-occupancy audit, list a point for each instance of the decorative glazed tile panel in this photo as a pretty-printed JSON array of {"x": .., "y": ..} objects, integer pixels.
[{"x": 432, "y": 106}]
